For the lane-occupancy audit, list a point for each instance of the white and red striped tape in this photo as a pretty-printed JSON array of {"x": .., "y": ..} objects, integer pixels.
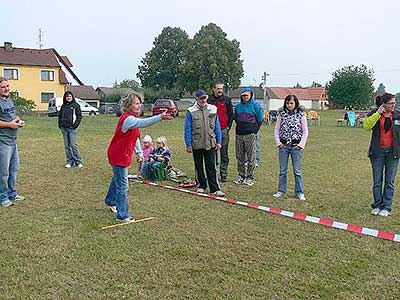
[{"x": 330, "y": 223}]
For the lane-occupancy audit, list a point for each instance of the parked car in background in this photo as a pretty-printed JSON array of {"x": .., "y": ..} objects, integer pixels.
[
  {"x": 164, "y": 104},
  {"x": 118, "y": 111},
  {"x": 54, "y": 107}
]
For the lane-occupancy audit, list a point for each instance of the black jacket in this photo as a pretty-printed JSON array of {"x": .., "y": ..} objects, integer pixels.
[
  {"x": 225, "y": 100},
  {"x": 374, "y": 147},
  {"x": 70, "y": 115}
]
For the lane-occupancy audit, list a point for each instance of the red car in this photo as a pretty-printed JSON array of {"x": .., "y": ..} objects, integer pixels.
[{"x": 167, "y": 105}]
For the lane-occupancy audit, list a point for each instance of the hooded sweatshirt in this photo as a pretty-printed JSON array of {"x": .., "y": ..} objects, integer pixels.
[
  {"x": 248, "y": 116},
  {"x": 70, "y": 114}
]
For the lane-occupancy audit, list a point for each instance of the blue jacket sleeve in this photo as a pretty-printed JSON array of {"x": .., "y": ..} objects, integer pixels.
[
  {"x": 188, "y": 130},
  {"x": 217, "y": 131},
  {"x": 132, "y": 122}
]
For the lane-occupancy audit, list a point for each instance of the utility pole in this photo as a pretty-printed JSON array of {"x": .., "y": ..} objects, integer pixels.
[
  {"x": 264, "y": 86},
  {"x": 40, "y": 38}
]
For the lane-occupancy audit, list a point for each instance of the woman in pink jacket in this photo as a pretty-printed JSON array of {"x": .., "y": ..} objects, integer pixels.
[{"x": 291, "y": 134}]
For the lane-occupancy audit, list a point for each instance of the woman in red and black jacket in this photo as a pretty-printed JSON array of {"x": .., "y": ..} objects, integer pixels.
[{"x": 384, "y": 151}]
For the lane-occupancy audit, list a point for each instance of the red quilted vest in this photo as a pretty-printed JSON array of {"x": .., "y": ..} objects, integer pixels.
[{"x": 122, "y": 144}]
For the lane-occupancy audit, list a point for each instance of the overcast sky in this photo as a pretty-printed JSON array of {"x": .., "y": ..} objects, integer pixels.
[{"x": 292, "y": 40}]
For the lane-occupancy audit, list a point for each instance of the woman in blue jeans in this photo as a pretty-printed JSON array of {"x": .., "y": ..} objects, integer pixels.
[
  {"x": 291, "y": 134},
  {"x": 124, "y": 142},
  {"x": 384, "y": 151},
  {"x": 69, "y": 118}
]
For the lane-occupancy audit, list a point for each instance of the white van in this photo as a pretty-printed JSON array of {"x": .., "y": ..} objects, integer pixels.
[{"x": 55, "y": 106}]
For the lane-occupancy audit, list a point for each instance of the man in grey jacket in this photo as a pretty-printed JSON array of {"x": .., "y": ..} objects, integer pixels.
[
  {"x": 203, "y": 139},
  {"x": 9, "y": 159}
]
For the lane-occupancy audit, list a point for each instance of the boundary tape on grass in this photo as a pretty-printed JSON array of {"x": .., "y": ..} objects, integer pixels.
[{"x": 326, "y": 222}]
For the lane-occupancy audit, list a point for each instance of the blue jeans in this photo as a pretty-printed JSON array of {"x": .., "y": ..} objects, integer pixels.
[
  {"x": 118, "y": 191},
  {"x": 296, "y": 155},
  {"x": 384, "y": 163},
  {"x": 9, "y": 166},
  {"x": 71, "y": 146}
]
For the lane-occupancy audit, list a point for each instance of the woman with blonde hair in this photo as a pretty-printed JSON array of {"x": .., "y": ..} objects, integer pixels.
[{"x": 124, "y": 142}]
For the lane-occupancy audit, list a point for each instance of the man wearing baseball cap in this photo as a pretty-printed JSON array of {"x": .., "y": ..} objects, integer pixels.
[{"x": 203, "y": 139}]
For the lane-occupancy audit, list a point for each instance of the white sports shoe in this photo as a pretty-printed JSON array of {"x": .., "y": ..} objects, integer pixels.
[
  {"x": 19, "y": 198},
  {"x": 384, "y": 213},
  {"x": 375, "y": 211},
  {"x": 113, "y": 208},
  {"x": 68, "y": 166},
  {"x": 80, "y": 166},
  {"x": 301, "y": 197},
  {"x": 278, "y": 194},
  {"x": 200, "y": 190},
  {"x": 218, "y": 193}
]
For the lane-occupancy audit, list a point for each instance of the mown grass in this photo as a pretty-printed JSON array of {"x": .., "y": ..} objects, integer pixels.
[{"x": 52, "y": 246}]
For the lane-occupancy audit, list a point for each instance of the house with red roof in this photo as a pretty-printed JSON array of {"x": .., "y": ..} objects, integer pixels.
[
  {"x": 309, "y": 97},
  {"x": 36, "y": 74}
]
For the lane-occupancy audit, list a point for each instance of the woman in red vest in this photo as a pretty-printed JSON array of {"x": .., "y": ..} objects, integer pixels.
[{"x": 120, "y": 150}]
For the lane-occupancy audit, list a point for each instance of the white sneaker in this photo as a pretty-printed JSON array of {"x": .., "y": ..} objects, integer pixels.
[
  {"x": 128, "y": 219},
  {"x": 113, "y": 208},
  {"x": 384, "y": 213},
  {"x": 7, "y": 203},
  {"x": 375, "y": 211},
  {"x": 200, "y": 190},
  {"x": 218, "y": 194},
  {"x": 301, "y": 197},
  {"x": 80, "y": 166},
  {"x": 249, "y": 181},
  {"x": 19, "y": 198},
  {"x": 278, "y": 194},
  {"x": 239, "y": 180},
  {"x": 68, "y": 166}
]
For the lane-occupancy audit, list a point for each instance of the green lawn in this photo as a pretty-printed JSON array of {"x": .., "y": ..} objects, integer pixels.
[{"x": 52, "y": 246}]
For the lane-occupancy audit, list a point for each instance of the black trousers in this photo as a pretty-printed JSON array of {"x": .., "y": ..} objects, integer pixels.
[{"x": 209, "y": 158}]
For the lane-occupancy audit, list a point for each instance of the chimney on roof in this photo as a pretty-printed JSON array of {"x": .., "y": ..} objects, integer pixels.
[{"x": 8, "y": 46}]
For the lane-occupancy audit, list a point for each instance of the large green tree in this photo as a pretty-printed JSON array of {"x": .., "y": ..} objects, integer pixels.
[
  {"x": 211, "y": 57},
  {"x": 160, "y": 67},
  {"x": 352, "y": 86},
  {"x": 129, "y": 83},
  {"x": 380, "y": 90}
]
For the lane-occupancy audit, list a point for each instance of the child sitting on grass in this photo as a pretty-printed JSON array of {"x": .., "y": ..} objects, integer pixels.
[
  {"x": 147, "y": 150},
  {"x": 158, "y": 158}
]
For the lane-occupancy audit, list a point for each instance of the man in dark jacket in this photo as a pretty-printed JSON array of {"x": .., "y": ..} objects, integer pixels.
[
  {"x": 69, "y": 118},
  {"x": 225, "y": 116}
]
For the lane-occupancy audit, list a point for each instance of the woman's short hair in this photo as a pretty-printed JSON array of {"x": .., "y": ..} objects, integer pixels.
[
  {"x": 129, "y": 99},
  {"x": 291, "y": 97},
  {"x": 3, "y": 79},
  {"x": 385, "y": 98}
]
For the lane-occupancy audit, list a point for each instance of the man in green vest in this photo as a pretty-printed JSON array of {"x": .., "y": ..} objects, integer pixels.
[{"x": 203, "y": 139}]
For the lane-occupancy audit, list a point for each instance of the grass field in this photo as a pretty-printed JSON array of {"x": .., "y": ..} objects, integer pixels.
[{"x": 52, "y": 246}]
